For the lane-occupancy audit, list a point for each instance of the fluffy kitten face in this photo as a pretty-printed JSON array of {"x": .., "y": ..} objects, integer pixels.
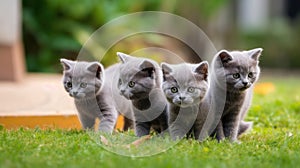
[
  {"x": 185, "y": 84},
  {"x": 82, "y": 79},
  {"x": 137, "y": 77},
  {"x": 241, "y": 68}
]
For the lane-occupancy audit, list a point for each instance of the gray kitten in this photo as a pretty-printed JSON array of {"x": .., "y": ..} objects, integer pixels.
[
  {"x": 185, "y": 86},
  {"x": 140, "y": 81},
  {"x": 241, "y": 71},
  {"x": 84, "y": 81}
]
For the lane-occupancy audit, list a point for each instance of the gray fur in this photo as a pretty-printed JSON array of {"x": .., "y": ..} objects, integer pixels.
[
  {"x": 241, "y": 71},
  {"x": 185, "y": 86},
  {"x": 111, "y": 92},
  {"x": 84, "y": 81},
  {"x": 139, "y": 81}
]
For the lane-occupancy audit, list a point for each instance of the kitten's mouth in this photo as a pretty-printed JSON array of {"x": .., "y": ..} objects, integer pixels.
[
  {"x": 244, "y": 88},
  {"x": 183, "y": 103},
  {"x": 80, "y": 96}
]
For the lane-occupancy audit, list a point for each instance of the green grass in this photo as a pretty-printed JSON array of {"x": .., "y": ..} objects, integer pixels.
[{"x": 274, "y": 142}]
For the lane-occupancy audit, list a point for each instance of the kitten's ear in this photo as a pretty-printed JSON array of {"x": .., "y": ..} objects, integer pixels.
[
  {"x": 97, "y": 68},
  {"x": 67, "y": 64},
  {"x": 225, "y": 56},
  {"x": 166, "y": 69},
  {"x": 255, "y": 53},
  {"x": 202, "y": 70},
  {"x": 123, "y": 57},
  {"x": 147, "y": 66}
]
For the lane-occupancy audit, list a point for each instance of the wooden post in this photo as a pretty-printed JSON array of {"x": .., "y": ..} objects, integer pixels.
[{"x": 12, "y": 66}]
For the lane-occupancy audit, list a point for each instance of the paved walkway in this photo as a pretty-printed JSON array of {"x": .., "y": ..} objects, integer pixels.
[
  {"x": 38, "y": 94},
  {"x": 38, "y": 101}
]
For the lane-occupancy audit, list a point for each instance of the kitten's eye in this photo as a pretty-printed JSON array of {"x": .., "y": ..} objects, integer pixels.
[
  {"x": 131, "y": 84},
  {"x": 69, "y": 84},
  {"x": 236, "y": 75},
  {"x": 83, "y": 85},
  {"x": 120, "y": 82},
  {"x": 191, "y": 89},
  {"x": 174, "y": 90},
  {"x": 250, "y": 75}
]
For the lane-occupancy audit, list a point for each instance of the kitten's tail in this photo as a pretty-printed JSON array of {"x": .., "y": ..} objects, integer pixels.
[{"x": 244, "y": 126}]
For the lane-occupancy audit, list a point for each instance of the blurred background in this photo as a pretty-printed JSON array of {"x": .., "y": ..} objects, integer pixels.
[{"x": 53, "y": 28}]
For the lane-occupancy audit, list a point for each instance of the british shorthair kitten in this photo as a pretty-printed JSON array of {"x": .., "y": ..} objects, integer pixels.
[
  {"x": 185, "y": 85},
  {"x": 84, "y": 82},
  {"x": 241, "y": 71},
  {"x": 139, "y": 81}
]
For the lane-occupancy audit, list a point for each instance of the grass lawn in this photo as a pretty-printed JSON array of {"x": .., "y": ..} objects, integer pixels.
[{"x": 274, "y": 142}]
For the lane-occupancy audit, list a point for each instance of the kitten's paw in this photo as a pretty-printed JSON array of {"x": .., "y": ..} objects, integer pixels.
[
  {"x": 220, "y": 139},
  {"x": 236, "y": 142},
  {"x": 175, "y": 138},
  {"x": 244, "y": 127}
]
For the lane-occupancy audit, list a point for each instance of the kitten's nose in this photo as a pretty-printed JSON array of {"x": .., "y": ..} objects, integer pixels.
[
  {"x": 122, "y": 91},
  {"x": 75, "y": 93},
  {"x": 181, "y": 97},
  {"x": 245, "y": 83}
]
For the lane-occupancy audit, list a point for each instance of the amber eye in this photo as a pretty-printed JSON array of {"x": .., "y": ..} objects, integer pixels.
[
  {"x": 69, "y": 84},
  {"x": 83, "y": 85},
  {"x": 131, "y": 84},
  {"x": 191, "y": 89},
  {"x": 174, "y": 90},
  {"x": 250, "y": 75},
  {"x": 236, "y": 75}
]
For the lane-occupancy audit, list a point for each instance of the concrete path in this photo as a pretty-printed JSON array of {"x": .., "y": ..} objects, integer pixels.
[
  {"x": 38, "y": 101},
  {"x": 38, "y": 94}
]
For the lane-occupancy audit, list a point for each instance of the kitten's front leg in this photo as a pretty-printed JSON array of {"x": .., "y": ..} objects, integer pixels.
[
  {"x": 87, "y": 121},
  {"x": 128, "y": 124},
  {"x": 231, "y": 127},
  {"x": 142, "y": 128},
  {"x": 177, "y": 128},
  {"x": 172, "y": 127},
  {"x": 108, "y": 120},
  {"x": 177, "y": 132},
  {"x": 219, "y": 132},
  {"x": 163, "y": 120},
  {"x": 197, "y": 128}
]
